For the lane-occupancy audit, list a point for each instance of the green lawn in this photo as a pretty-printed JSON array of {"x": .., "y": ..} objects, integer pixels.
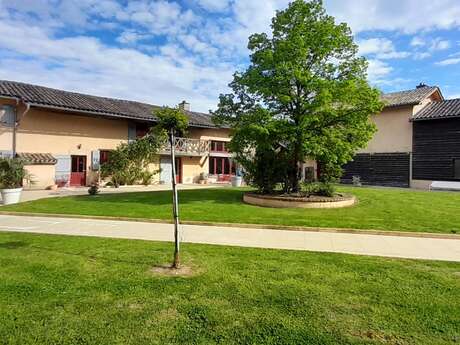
[
  {"x": 76, "y": 290},
  {"x": 378, "y": 208}
]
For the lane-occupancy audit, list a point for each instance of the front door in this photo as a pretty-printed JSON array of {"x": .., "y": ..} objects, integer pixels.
[
  {"x": 78, "y": 172},
  {"x": 166, "y": 170}
]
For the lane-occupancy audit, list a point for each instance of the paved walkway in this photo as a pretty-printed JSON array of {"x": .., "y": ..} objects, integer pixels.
[
  {"x": 363, "y": 244},
  {"x": 28, "y": 195}
]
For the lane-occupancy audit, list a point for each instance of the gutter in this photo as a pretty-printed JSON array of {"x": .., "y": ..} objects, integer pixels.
[
  {"x": 412, "y": 119},
  {"x": 16, "y": 125}
]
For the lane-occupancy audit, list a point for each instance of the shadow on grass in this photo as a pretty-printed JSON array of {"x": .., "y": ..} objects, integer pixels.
[
  {"x": 159, "y": 198},
  {"x": 13, "y": 245},
  {"x": 93, "y": 258}
]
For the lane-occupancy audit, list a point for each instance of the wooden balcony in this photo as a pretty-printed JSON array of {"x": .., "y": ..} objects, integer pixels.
[{"x": 189, "y": 147}]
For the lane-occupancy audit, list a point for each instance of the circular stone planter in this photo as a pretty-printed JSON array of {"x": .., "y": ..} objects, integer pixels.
[{"x": 293, "y": 202}]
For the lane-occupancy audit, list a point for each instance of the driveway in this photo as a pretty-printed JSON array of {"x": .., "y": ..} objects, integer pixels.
[{"x": 362, "y": 244}]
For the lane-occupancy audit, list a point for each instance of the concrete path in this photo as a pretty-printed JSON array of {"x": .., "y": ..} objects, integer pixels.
[
  {"x": 29, "y": 195},
  {"x": 363, "y": 244}
]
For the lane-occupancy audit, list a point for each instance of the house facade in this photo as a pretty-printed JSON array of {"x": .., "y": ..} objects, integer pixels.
[
  {"x": 417, "y": 142},
  {"x": 65, "y": 136}
]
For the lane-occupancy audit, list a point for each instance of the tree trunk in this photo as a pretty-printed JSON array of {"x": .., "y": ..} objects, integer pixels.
[
  {"x": 295, "y": 171},
  {"x": 176, "y": 260}
]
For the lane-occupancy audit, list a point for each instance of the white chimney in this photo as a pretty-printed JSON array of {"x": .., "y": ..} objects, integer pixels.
[{"x": 184, "y": 106}]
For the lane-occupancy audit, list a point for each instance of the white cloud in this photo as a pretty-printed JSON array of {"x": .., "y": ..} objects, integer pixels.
[
  {"x": 196, "y": 54},
  {"x": 214, "y": 5},
  {"x": 449, "y": 61},
  {"x": 83, "y": 14},
  {"x": 130, "y": 37},
  {"x": 375, "y": 45},
  {"x": 439, "y": 44},
  {"x": 421, "y": 55},
  {"x": 194, "y": 44},
  {"x": 378, "y": 70},
  {"x": 85, "y": 64},
  {"x": 382, "y": 48},
  {"x": 425, "y": 47},
  {"x": 408, "y": 16},
  {"x": 452, "y": 95},
  {"x": 418, "y": 41},
  {"x": 160, "y": 17}
]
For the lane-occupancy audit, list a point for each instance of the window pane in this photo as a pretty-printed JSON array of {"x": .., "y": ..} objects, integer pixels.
[
  {"x": 81, "y": 164},
  {"x": 141, "y": 130},
  {"x": 226, "y": 166},
  {"x": 212, "y": 165},
  {"x": 104, "y": 156},
  {"x": 74, "y": 164},
  {"x": 219, "y": 165}
]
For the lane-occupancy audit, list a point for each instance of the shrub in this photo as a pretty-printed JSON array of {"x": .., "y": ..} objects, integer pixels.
[
  {"x": 325, "y": 189},
  {"x": 93, "y": 190},
  {"x": 318, "y": 188},
  {"x": 129, "y": 163},
  {"x": 146, "y": 177}
]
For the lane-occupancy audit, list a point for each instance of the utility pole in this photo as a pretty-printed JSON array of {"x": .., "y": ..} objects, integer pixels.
[{"x": 176, "y": 262}]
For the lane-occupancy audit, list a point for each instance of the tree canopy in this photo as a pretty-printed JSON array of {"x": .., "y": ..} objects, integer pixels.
[
  {"x": 304, "y": 95},
  {"x": 171, "y": 119}
]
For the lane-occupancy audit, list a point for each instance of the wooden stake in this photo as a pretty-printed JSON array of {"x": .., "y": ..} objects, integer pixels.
[{"x": 176, "y": 262}]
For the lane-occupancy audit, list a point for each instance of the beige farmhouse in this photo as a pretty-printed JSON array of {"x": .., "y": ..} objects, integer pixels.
[{"x": 65, "y": 136}]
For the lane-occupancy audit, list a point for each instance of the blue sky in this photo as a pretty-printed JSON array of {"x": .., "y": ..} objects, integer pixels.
[{"x": 164, "y": 52}]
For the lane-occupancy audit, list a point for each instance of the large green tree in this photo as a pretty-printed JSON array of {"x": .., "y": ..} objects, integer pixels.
[{"x": 305, "y": 90}]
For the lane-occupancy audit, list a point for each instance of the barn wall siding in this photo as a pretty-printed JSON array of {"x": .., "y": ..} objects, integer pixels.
[
  {"x": 436, "y": 144},
  {"x": 379, "y": 169}
]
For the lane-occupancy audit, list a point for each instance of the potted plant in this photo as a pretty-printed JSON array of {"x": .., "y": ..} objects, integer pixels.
[{"x": 12, "y": 175}]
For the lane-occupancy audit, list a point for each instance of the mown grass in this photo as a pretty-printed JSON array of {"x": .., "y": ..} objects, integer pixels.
[
  {"x": 75, "y": 290},
  {"x": 378, "y": 208}
]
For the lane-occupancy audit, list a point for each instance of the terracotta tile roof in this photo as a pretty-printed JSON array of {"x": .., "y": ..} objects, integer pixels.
[
  {"x": 37, "y": 158},
  {"x": 45, "y": 97},
  {"x": 408, "y": 97},
  {"x": 439, "y": 110}
]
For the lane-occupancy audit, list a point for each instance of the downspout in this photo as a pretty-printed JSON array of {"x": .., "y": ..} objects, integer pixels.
[{"x": 16, "y": 124}]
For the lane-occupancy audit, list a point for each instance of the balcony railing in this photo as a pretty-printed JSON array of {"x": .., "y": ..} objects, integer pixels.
[{"x": 189, "y": 147}]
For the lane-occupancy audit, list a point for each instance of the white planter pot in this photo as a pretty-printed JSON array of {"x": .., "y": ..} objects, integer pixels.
[
  {"x": 11, "y": 196},
  {"x": 236, "y": 181}
]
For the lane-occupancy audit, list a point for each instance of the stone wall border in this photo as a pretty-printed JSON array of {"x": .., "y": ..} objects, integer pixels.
[{"x": 275, "y": 201}]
